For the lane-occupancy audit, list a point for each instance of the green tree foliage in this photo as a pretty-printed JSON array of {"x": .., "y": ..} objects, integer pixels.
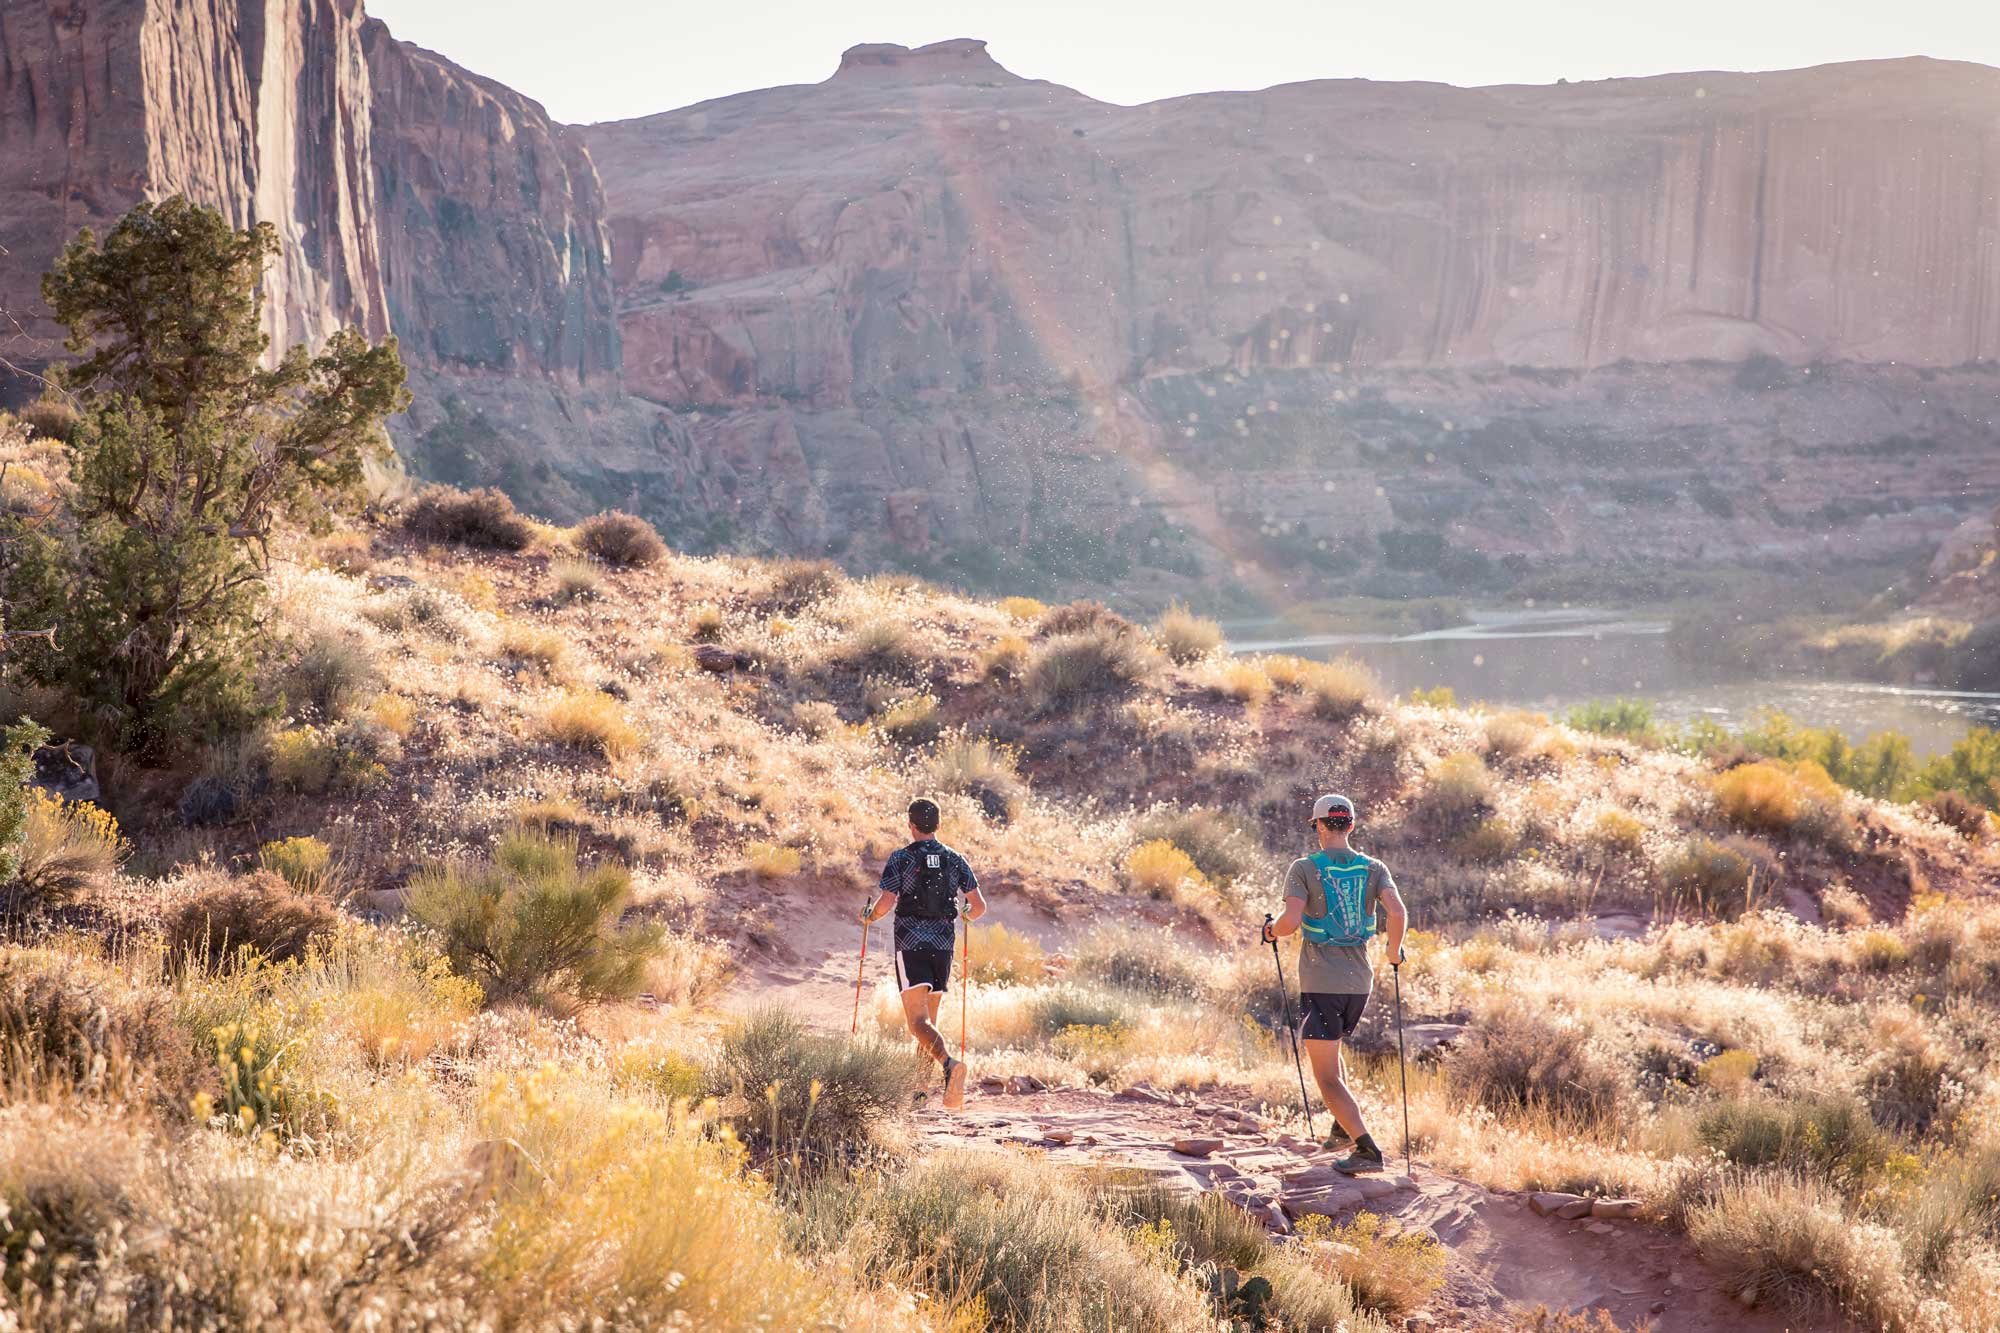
[
  {"x": 188, "y": 453},
  {"x": 531, "y": 924},
  {"x": 17, "y": 765},
  {"x": 1884, "y": 765}
]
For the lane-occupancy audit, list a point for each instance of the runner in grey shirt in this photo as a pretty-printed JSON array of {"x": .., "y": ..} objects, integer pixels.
[{"x": 1337, "y": 896}]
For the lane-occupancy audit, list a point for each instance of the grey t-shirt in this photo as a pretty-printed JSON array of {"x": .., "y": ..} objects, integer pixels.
[{"x": 1336, "y": 969}]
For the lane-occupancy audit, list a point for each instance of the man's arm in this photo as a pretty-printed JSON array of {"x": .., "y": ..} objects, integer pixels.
[
  {"x": 893, "y": 876},
  {"x": 1295, "y": 912},
  {"x": 1399, "y": 921},
  {"x": 885, "y": 903},
  {"x": 975, "y": 904}
]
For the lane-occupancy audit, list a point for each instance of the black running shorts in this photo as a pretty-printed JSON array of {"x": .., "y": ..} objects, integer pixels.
[
  {"x": 923, "y": 967},
  {"x": 1330, "y": 1017}
]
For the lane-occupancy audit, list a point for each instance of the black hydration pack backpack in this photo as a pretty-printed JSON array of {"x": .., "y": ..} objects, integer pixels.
[{"x": 931, "y": 897}]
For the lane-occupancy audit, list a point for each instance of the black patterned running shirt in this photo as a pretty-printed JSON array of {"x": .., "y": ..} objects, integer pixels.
[{"x": 899, "y": 876}]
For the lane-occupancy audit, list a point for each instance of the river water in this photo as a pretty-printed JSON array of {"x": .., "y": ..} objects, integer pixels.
[{"x": 1551, "y": 660}]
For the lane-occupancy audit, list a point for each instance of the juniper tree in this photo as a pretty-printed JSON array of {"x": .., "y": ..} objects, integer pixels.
[{"x": 189, "y": 452}]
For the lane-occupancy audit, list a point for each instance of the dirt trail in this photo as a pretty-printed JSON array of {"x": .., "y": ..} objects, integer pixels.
[{"x": 1503, "y": 1255}]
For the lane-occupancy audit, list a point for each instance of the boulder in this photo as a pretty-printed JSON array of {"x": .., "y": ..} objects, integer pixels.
[
  {"x": 1196, "y": 1147},
  {"x": 720, "y": 660},
  {"x": 1574, "y": 1209},
  {"x": 68, "y": 770},
  {"x": 1143, "y": 1091},
  {"x": 1059, "y": 1135},
  {"x": 1548, "y": 1202},
  {"x": 1021, "y": 1085},
  {"x": 1622, "y": 1209}
]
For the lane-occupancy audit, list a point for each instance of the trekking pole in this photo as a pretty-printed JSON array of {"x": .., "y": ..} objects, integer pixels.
[
  {"x": 1402, "y": 1071},
  {"x": 860, "y": 969},
  {"x": 965, "y": 991},
  {"x": 1285, "y": 999}
]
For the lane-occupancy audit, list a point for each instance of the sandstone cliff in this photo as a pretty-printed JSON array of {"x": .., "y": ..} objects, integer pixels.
[
  {"x": 972, "y": 314},
  {"x": 262, "y": 110}
]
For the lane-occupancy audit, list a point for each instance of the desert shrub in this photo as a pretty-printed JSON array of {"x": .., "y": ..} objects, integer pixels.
[
  {"x": 1518, "y": 1059},
  {"x": 880, "y": 645},
  {"x": 50, "y": 419},
  {"x": 1708, "y": 877},
  {"x": 1004, "y": 955},
  {"x": 1953, "y": 809},
  {"x": 66, "y": 847},
  {"x": 798, "y": 584},
  {"x": 1437, "y": 696},
  {"x": 772, "y": 860},
  {"x": 1389, "y": 1271},
  {"x": 1147, "y": 961},
  {"x": 1245, "y": 682},
  {"x": 1459, "y": 794},
  {"x": 532, "y": 924},
  {"x": 1185, "y": 637},
  {"x": 393, "y": 713},
  {"x": 706, "y": 623},
  {"x": 313, "y": 761},
  {"x": 1830, "y": 1136},
  {"x": 619, "y": 538},
  {"x": 1024, "y": 1248},
  {"x": 1223, "y": 846},
  {"x": 532, "y": 645},
  {"x": 611, "y": 1204},
  {"x": 1159, "y": 869},
  {"x": 1971, "y": 767},
  {"x": 982, "y": 769},
  {"x": 259, "y": 914},
  {"x": 484, "y": 517},
  {"x": 1488, "y": 841},
  {"x": 1077, "y": 617},
  {"x": 1728, "y": 1071},
  {"x": 1341, "y": 688},
  {"x": 1022, "y": 608},
  {"x": 74, "y": 1027},
  {"x": 1784, "y": 1242},
  {"x": 576, "y": 581},
  {"x": 332, "y": 674},
  {"x": 1068, "y": 669},
  {"x": 1306, "y": 1295},
  {"x": 1630, "y": 718},
  {"x": 1198, "y": 1229},
  {"x": 1878, "y": 951},
  {"x": 1908, "y": 1081},
  {"x": 18, "y": 744},
  {"x": 1058, "y": 1008},
  {"x": 346, "y": 552},
  {"x": 1005, "y": 659},
  {"x": 590, "y": 720},
  {"x": 796, "y": 1090},
  {"x": 304, "y": 863},
  {"x": 1617, "y": 833},
  {"x": 910, "y": 720},
  {"x": 1771, "y": 797}
]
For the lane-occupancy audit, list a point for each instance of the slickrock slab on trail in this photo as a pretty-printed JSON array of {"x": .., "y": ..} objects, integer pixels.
[{"x": 1504, "y": 1253}]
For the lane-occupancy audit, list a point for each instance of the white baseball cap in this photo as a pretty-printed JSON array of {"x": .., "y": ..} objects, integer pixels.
[{"x": 1331, "y": 805}]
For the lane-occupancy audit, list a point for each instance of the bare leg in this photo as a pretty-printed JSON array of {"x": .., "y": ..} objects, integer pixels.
[
  {"x": 919, "y": 1009},
  {"x": 1330, "y": 1072}
]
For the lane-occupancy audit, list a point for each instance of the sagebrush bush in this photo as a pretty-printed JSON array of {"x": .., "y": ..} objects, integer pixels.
[
  {"x": 772, "y": 860},
  {"x": 50, "y": 419},
  {"x": 305, "y": 863},
  {"x": 1147, "y": 961},
  {"x": 1618, "y": 834},
  {"x": 71, "y": 1027},
  {"x": 798, "y": 584},
  {"x": 66, "y": 847},
  {"x": 1005, "y": 956},
  {"x": 619, "y": 538},
  {"x": 576, "y": 581},
  {"x": 795, "y": 1090},
  {"x": 533, "y": 645},
  {"x": 533, "y": 924},
  {"x": 982, "y": 769},
  {"x": 1059, "y": 1008},
  {"x": 1021, "y": 1247},
  {"x": 1076, "y": 617},
  {"x": 1771, "y": 797},
  {"x": 881, "y": 645},
  {"x": 483, "y": 517},
  {"x": 1185, "y": 637},
  {"x": 1068, "y": 669},
  {"x": 313, "y": 761},
  {"x": 910, "y": 720},
  {"x": 1519, "y": 1059},
  {"x": 1390, "y": 1271},
  {"x": 1459, "y": 795},
  {"x": 332, "y": 676},
  {"x": 1159, "y": 869},
  {"x": 1223, "y": 846},
  {"x": 260, "y": 914},
  {"x": 1245, "y": 682},
  {"x": 1713, "y": 878},
  {"x": 590, "y": 720},
  {"x": 1953, "y": 809},
  {"x": 1829, "y": 1136},
  {"x": 1340, "y": 689},
  {"x": 1784, "y": 1242}
]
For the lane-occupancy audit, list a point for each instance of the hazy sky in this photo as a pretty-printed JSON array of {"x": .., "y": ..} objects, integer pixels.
[{"x": 590, "y": 60}]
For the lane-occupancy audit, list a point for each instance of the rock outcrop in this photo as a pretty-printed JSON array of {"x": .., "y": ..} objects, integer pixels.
[
  {"x": 262, "y": 110},
  {"x": 984, "y": 324}
]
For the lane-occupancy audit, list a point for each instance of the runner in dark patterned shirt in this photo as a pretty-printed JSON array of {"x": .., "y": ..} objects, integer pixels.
[{"x": 924, "y": 884}]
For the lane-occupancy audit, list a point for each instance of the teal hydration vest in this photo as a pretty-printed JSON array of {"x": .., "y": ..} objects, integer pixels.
[{"x": 1343, "y": 887}]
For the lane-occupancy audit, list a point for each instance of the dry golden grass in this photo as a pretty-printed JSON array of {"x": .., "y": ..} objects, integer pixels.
[
  {"x": 588, "y": 720},
  {"x": 1185, "y": 637}
]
